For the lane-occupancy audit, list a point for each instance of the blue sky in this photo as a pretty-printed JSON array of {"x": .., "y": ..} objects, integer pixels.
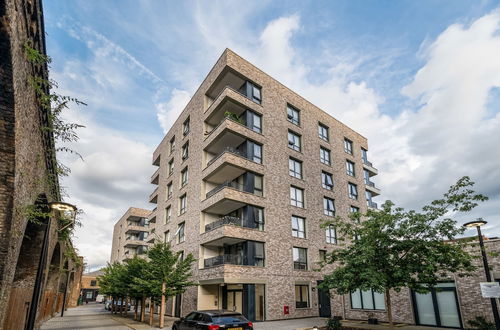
[{"x": 420, "y": 79}]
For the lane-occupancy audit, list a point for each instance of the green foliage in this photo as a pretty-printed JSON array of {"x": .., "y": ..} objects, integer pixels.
[
  {"x": 333, "y": 323},
  {"x": 34, "y": 56},
  {"x": 396, "y": 248},
  {"x": 233, "y": 116},
  {"x": 35, "y": 214},
  {"x": 480, "y": 323}
]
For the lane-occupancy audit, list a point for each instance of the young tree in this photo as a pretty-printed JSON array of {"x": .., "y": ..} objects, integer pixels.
[
  {"x": 113, "y": 282},
  {"x": 135, "y": 269},
  {"x": 393, "y": 248},
  {"x": 167, "y": 274}
]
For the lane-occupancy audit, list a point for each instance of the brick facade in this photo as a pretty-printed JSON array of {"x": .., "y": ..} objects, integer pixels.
[{"x": 130, "y": 224}]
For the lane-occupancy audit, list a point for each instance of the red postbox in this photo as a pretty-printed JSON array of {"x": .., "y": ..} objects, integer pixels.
[{"x": 286, "y": 310}]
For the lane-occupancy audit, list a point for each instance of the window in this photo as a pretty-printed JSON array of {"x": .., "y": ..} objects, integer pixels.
[
  {"x": 331, "y": 234},
  {"x": 172, "y": 144},
  {"x": 348, "y": 146},
  {"x": 253, "y": 121},
  {"x": 299, "y": 258},
  {"x": 185, "y": 127},
  {"x": 295, "y": 168},
  {"x": 326, "y": 180},
  {"x": 185, "y": 151},
  {"x": 324, "y": 155},
  {"x": 301, "y": 296},
  {"x": 169, "y": 190},
  {"x": 166, "y": 236},
  {"x": 257, "y": 153},
  {"x": 180, "y": 233},
  {"x": 257, "y": 186},
  {"x": 323, "y": 132},
  {"x": 171, "y": 167},
  {"x": 367, "y": 299},
  {"x": 366, "y": 176},
  {"x": 184, "y": 177},
  {"x": 349, "y": 168},
  {"x": 168, "y": 214},
  {"x": 93, "y": 283},
  {"x": 352, "y": 190},
  {"x": 293, "y": 115},
  {"x": 293, "y": 141},
  {"x": 328, "y": 206},
  {"x": 369, "y": 196},
  {"x": 364, "y": 156},
  {"x": 182, "y": 202},
  {"x": 296, "y": 196},
  {"x": 354, "y": 209},
  {"x": 298, "y": 227},
  {"x": 256, "y": 97},
  {"x": 322, "y": 255}
]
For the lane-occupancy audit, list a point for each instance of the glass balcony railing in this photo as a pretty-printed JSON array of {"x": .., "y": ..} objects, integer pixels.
[
  {"x": 226, "y": 220},
  {"x": 230, "y": 259},
  {"x": 226, "y": 149},
  {"x": 223, "y": 185}
]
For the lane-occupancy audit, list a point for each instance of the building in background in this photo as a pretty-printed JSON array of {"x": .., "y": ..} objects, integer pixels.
[
  {"x": 130, "y": 235},
  {"x": 245, "y": 177},
  {"x": 90, "y": 286}
]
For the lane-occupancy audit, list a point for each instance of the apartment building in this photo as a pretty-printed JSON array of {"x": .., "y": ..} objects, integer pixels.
[
  {"x": 130, "y": 235},
  {"x": 245, "y": 177}
]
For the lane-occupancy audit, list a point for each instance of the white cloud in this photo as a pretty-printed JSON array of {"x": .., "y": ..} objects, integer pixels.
[{"x": 168, "y": 112}]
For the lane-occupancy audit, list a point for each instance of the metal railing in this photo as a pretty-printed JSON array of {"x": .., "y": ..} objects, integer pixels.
[
  {"x": 369, "y": 183},
  {"x": 223, "y": 185},
  {"x": 226, "y": 149},
  {"x": 367, "y": 162},
  {"x": 226, "y": 259},
  {"x": 371, "y": 204},
  {"x": 225, "y": 220}
]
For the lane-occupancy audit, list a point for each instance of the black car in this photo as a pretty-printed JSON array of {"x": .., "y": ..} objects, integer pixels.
[{"x": 213, "y": 320}]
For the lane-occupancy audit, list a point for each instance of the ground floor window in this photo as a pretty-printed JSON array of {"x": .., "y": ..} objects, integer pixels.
[
  {"x": 438, "y": 307},
  {"x": 367, "y": 299},
  {"x": 301, "y": 296}
]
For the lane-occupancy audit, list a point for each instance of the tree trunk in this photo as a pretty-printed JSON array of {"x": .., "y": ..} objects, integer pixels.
[
  {"x": 389, "y": 308},
  {"x": 136, "y": 303},
  {"x": 126, "y": 306},
  {"x": 113, "y": 305},
  {"x": 121, "y": 306},
  {"x": 143, "y": 309},
  {"x": 151, "y": 312},
  {"x": 162, "y": 307}
]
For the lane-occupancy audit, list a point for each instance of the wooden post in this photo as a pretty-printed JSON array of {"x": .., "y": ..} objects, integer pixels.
[
  {"x": 143, "y": 309},
  {"x": 151, "y": 312},
  {"x": 162, "y": 307}
]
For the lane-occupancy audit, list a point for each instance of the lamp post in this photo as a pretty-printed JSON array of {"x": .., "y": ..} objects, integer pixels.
[
  {"x": 54, "y": 206},
  {"x": 478, "y": 223}
]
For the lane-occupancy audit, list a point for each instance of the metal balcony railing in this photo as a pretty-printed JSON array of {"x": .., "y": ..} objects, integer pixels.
[
  {"x": 367, "y": 162},
  {"x": 226, "y": 259},
  {"x": 371, "y": 204},
  {"x": 226, "y": 149},
  {"x": 226, "y": 220},
  {"x": 223, "y": 185},
  {"x": 369, "y": 183}
]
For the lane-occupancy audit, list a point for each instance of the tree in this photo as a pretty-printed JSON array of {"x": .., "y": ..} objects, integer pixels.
[
  {"x": 393, "y": 248},
  {"x": 167, "y": 274},
  {"x": 113, "y": 282}
]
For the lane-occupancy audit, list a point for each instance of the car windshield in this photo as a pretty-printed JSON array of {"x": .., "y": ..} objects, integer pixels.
[{"x": 231, "y": 318}]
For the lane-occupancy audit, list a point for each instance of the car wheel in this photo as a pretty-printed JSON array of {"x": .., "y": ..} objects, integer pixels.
[{"x": 174, "y": 328}]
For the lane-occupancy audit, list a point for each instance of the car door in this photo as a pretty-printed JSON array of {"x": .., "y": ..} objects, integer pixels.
[{"x": 189, "y": 321}]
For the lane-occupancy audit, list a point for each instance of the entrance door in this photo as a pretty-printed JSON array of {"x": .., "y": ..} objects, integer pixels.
[
  {"x": 235, "y": 301},
  {"x": 178, "y": 301},
  {"x": 439, "y": 307},
  {"x": 324, "y": 302}
]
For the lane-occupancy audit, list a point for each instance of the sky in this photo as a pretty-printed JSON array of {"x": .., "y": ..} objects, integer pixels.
[{"x": 419, "y": 79}]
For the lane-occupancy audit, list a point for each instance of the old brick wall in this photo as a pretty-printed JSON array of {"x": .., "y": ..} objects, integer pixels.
[{"x": 26, "y": 158}]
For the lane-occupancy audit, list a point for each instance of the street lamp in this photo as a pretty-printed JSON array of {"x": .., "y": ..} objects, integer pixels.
[
  {"x": 54, "y": 206},
  {"x": 478, "y": 223}
]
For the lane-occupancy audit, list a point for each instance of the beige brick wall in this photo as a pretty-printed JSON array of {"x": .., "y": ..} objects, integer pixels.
[{"x": 120, "y": 238}]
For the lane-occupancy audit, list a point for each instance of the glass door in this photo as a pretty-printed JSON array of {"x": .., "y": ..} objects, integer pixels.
[{"x": 439, "y": 307}]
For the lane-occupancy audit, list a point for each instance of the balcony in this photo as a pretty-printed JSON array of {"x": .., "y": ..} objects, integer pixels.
[
  {"x": 229, "y": 101},
  {"x": 224, "y": 199},
  {"x": 155, "y": 178},
  {"x": 135, "y": 242},
  {"x": 228, "y": 165},
  {"x": 370, "y": 186},
  {"x": 372, "y": 205},
  {"x": 226, "y": 259},
  {"x": 229, "y": 133},
  {"x": 132, "y": 229},
  {"x": 367, "y": 165},
  {"x": 156, "y": 161},
  {"x": 152, "y": 215},
  {"x": 229, "y": 251},
  {"x": 153, "y": 198},
  {"x": 226, "y": 220}
]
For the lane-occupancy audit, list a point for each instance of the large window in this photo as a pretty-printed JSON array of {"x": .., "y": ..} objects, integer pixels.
[
  {"x": 295, "y": 168},
  {"x": 293, "y": 141},
  {"x": 258, "y": 186},
  {"x": 366, "y": 177},
  {"x": 328, "y": 206},
  {"x": 168, "y": 214},
  {"x": 298, "y": 227},
  {"x": 180, "y": 233},
  {"x": 349, "y": 168},
  {"x": 182, "y": 204},
  {"x": 323, "y": 132},
  {"x": 185, "y": 127},
  {"x": 171, "y": 167},
  {"x": 184, "y": 177},
  {"x": 296, "y": 196},
  {"x": 348, "y": 146},
  {"x": 369, "y": 196},
  {"x": 367, "y": 299},
  {"x": 253, "y": 121},
  {"x": 301, "y": 296},
  {"x": 352, "y": 190},
  {"x": 293, "y": 115},
  {"x": 257, "y": 152},
  {"x": 299, "y": 258},
  {"x": 331, "y": 235},
  {"x": 166, "y": 236},
  {"x": 185, "y": 151},
  {"x": 327, "y": 180},
  {"x": 324, "y": 156},
  {"x": 364, "y": 156}
]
